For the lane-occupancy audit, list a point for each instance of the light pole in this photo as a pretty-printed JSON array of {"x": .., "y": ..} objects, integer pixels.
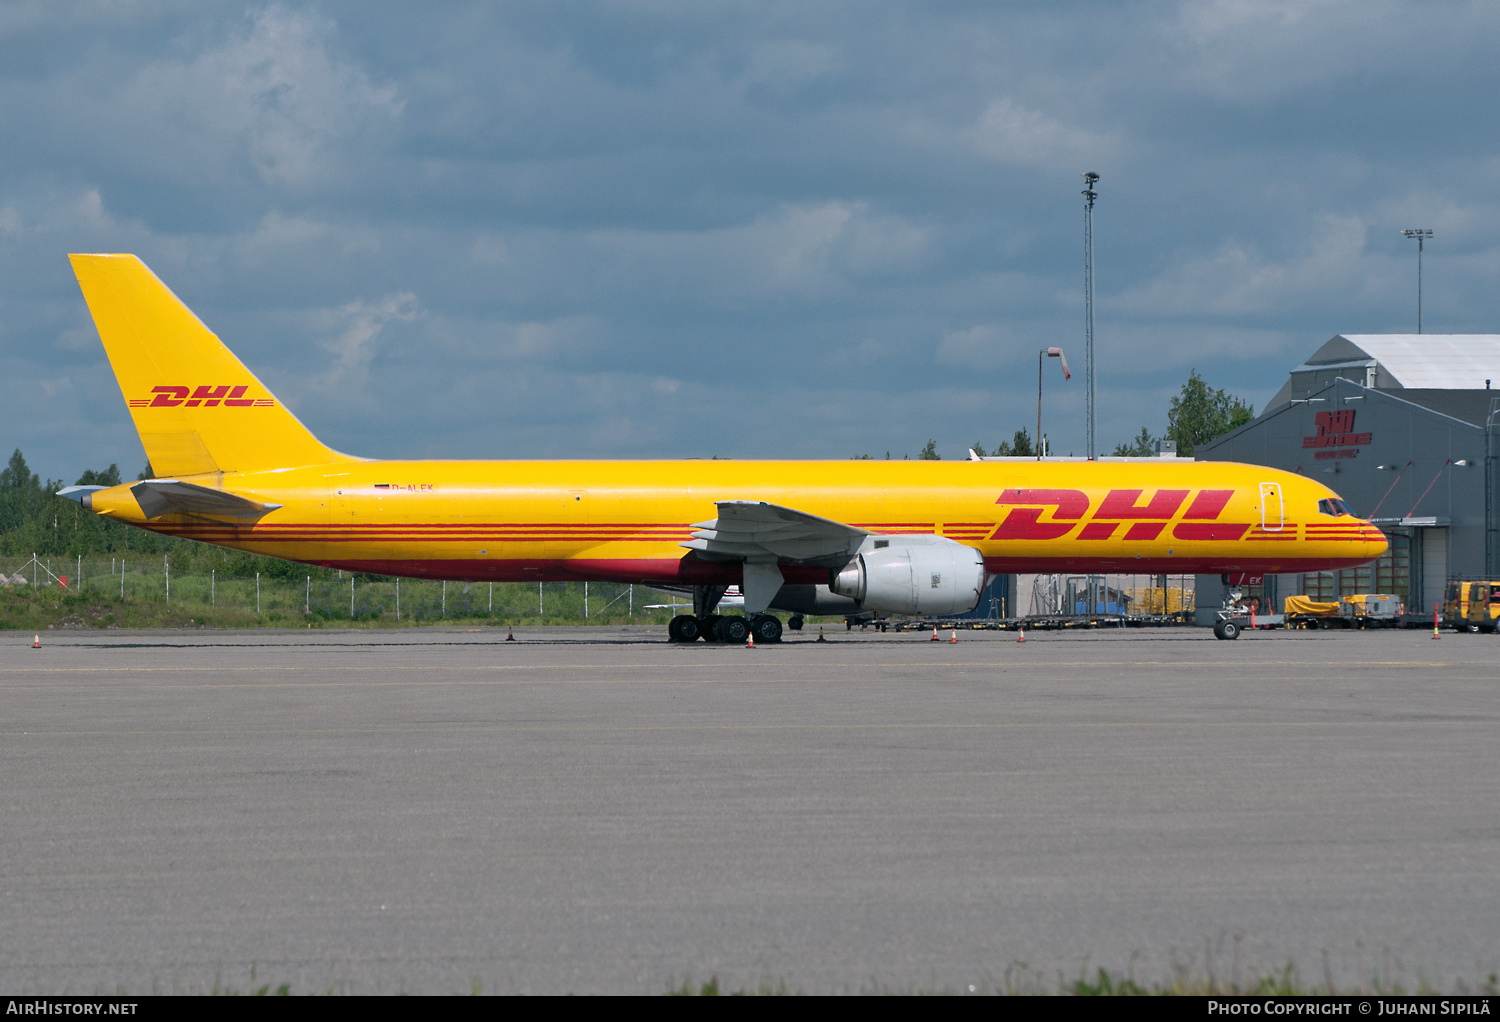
[
  {"x": 1089, "y": 369},
  {"x": 1421, "y": 234},
  {"x": 1041, "y": 356}
]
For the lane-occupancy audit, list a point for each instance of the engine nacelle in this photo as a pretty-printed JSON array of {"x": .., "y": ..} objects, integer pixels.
[{"x": 926, "y": 575}]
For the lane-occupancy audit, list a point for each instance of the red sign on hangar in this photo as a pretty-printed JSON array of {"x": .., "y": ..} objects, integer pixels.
[{"x": 1336, "y": 437}]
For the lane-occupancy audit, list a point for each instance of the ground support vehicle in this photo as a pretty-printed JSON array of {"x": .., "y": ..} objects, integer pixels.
[
  {"x": 1231, "y": 622},
  {"x": 1365, "y": 610},
  {"x": 1472, "y": 605},
  {"x": 1371, "y": 610},
  {"x": 1304, "y": 612}
]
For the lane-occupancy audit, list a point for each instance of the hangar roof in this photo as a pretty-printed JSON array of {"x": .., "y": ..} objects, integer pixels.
[{"x": 1416, "y": 361}]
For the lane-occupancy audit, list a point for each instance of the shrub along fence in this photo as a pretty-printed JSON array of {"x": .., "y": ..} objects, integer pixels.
[{"x": 145, "y": 590}]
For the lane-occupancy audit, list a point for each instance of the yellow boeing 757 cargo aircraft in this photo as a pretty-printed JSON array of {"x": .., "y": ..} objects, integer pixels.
[{"x": 238, "y": 470}]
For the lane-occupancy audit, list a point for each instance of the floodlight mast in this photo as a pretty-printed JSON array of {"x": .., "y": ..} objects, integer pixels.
[
  {"x": 1042, "y": 356},
  {"x": 1421, "y": 234},
  {"x": 1090, "y": 370}
]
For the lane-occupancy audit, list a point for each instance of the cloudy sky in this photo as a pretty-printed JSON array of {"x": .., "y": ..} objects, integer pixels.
[{"x": 672, "y": 228}]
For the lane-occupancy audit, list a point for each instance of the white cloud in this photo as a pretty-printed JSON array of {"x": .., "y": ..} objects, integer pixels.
[
  {"x": 272, "y": 97},
  {"x": 1013, "y": 134},
  {"x": 783, "y": 66},
  {"x": 354, "y": 347},
  {"x": 1237, "y": 280},
  {"x": 974, "y": 345},
  {"x": 1209, "y": 21},
  {"x": 800, "y": 251}
]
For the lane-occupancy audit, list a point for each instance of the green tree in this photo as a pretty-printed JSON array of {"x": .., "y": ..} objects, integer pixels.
[
  {"x": 17, "y": 477},
  {"x": 929, "y": 453},
  {"x": 1018, "y": 446},
  {"x": 100, "y": 477},
  {"x": 1143, "y": 446},
  {"x": 1198, "y": 415}
]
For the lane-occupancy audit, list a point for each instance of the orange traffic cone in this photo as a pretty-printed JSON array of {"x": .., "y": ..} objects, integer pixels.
[
  {"x": 934, "y": 634},
  {"x": 36, "y": 640},
  {"x": 510, "y": 636},
  {"x": 1020, "y": 632},
  {"x": 1435, "y": 634},
  {"x": 954, "y": 637},
  {"x": 820, "y": 634},
  {"x": 750, "y": 640}
]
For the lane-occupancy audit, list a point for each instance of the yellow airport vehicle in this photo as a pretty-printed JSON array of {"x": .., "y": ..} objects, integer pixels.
[
  {"x": 237, "y": 469},
  {"x": 1468, "y": 606}
]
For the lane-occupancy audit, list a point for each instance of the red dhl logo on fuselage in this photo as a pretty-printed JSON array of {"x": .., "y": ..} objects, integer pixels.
[
  {"x": 207, "y": 396},
  {"x": 1144, "y": 521}
]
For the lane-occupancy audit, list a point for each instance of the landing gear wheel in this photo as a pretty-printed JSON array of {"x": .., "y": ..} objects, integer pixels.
[
  {"x": 1226, "y": 630},
  {"x": 795, "y": 622},
  {"x": 683, "y": 628},
  {"x": 732, "y": 630},
  {"x": 766, "y": 629},
  {"x": 708, "y": 627}
]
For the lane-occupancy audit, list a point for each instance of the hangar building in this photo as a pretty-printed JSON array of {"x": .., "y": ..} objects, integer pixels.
[{"x": 1404, "y": 427}]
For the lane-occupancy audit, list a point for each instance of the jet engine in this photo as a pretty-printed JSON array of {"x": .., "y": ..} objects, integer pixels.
[{"x": 926, "y": 575}]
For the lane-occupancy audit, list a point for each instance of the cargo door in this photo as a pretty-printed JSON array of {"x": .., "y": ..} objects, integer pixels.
[{"x": 1272, "y": 508}]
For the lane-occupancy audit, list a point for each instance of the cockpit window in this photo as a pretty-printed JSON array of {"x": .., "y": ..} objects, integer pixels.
[{"x": 1334, "y": 507}]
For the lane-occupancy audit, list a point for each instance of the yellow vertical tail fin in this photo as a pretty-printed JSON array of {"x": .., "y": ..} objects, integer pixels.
[{"x": 196, "y": 407}]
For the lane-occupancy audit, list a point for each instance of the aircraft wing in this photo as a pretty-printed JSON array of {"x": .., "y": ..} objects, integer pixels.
[
  {"x": 762, "y": 534},
  {"x": 753, "y": 530},
  {"x": 159, "y": 497}
]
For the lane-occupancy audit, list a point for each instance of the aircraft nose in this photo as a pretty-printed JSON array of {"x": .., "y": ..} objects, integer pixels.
[{"x": 1376, "y": 543}]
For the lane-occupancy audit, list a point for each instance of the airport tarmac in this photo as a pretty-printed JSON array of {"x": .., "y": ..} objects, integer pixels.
[{"x": 593, "y": 810}]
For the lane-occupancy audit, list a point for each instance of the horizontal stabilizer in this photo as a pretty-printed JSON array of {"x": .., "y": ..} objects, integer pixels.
[
  {"x": 81, "y": 494},
  {"x": 752, "y": 530},
  {"x": 159, "y": 497}
]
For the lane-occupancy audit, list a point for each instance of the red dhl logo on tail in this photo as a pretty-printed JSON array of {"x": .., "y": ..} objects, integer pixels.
[
  {"x": 207, "y": 396},
  {"x": 1144, "y": 521}
]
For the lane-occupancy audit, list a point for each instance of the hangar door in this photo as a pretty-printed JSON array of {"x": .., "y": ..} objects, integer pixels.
[{"x": 1434, "y": 566}]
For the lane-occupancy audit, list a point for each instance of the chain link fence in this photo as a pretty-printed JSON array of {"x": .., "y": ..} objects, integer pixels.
[{"x": 127, "y": 592}]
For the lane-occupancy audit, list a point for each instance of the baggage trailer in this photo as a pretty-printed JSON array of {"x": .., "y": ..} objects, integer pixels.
[{"x": 1364, "y": 610}]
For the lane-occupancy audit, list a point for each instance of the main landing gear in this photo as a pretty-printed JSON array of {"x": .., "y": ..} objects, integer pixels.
[
  {"x": 734, "y": 629},
  {"x": 704, "y": 624}
]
